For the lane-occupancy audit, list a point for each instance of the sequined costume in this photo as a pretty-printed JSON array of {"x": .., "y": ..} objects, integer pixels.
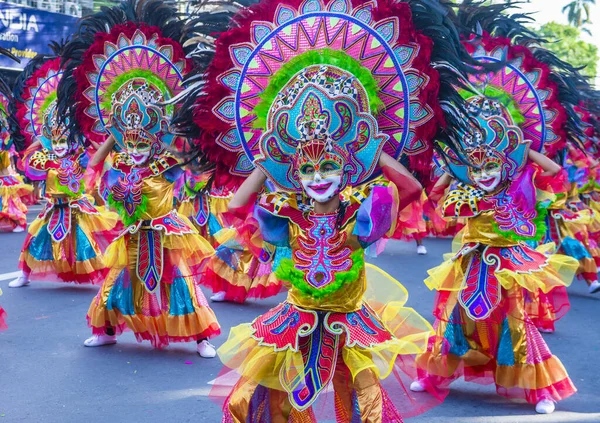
[
  {"x": 13, "y": 212},
  {"x": 121, "y": 78},
  {"x": 572, "y": 221},
  {"x": 152, "y": 288},
  {"x": 483, "y": 332},
  {"x": 325, "y": 323},
  {"x": 67, "y": 240},
  {"x": 70, "y": 235},
  {"x": 323, "y": 86}
]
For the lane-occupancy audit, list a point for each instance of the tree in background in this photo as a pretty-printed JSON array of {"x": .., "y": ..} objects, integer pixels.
[
  {"x": 565, "y": 41},
  {"x": 578, "y": 13}
]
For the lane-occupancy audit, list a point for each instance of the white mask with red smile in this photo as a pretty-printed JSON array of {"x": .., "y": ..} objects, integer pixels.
[
  {"x": 60, "y": 147},
  {"x": 488, "y": 178},
  {"x": 138, "y": 151},
  {"x": 322, "y": 181}
]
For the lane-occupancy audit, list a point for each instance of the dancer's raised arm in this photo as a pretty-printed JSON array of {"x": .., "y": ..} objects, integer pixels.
[
  {"x": 550, "y": 167},
  {"x": 251, "y": 186}
]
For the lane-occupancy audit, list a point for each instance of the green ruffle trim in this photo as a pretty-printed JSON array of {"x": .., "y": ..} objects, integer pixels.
[
  {"x": 590, "y": 186},
  {"x": 136, "y": 73},
  {"x": 125, "y": 217},
  {"x": 539, "y": 222},
  {"x": 287, "y": 272},
  {"x": 193, "y": 189},
  {"x": 500, "y": 96},
  {"x": 65, "y": 190},
  {"x": 316, "y": 57}
]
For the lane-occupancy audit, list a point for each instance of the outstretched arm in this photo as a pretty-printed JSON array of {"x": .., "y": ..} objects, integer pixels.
[
  {"x": 409, "y": 189},
  {"x": 102, "y": 152},
  {"x": 550, "y": 167},
  {"x": 252, "y": 185},
  {"x": 437, "y": 192}
]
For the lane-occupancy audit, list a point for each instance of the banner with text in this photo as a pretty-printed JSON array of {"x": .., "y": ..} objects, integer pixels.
[{"x": 26, "y": 32}]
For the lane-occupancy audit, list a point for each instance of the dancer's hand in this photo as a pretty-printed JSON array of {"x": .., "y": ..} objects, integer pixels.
[
  {"x": 409, "y": 188},
  {"x": 550, "y": 168},
  {"x": 252, "y": 185},
  {"x": 103, "y": 152},
  {"x": 438, "y": 190}
]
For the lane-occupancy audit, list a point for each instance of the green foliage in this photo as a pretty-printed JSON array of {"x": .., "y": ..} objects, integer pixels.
[
  {"x": 578, "y": 12},
  {"x": 565, "y": 41}
]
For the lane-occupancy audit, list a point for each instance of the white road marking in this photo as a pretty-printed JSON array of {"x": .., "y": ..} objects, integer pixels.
[
  {"x": 556, "y": 417},
  {"x": 179, "y": 394},
  {"x": 11, "y": 275}
]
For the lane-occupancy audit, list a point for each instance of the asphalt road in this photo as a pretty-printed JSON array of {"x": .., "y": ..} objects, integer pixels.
[{"x": 48, "y": 376}]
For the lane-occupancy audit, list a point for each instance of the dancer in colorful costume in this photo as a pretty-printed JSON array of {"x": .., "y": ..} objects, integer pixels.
[
  {"x": 233, "y": 273},
  {"x": 571, "y": 222},
  {"x": 533, "y": 84},
  {"x": 580, "y": 222},
  {"x": 13, "y": 213},
  {"x": 327, "y": 274},
  {"x": 67, "y": 241},
  {"x": 482, "y": 329},
  {"x": 121, "y": 76},
  {"x": 4, "y": 127},
  {"x": 321, "y": 96}
]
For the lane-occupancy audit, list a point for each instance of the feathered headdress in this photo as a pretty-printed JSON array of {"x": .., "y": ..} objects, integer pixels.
[
  {"x": 495, "y": 138},
  {"x": 406, "y": 56},
  {"x": 36, "y": 100},
  {"x": 6, "y": 99},
  {"x": 122, "y": 65},
  {"x": 525, "y": 84}
]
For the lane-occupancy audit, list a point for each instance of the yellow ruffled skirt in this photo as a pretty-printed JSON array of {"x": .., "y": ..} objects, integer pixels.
[
  {"x": 78, "y": 255},
  {"x": 483, "y": 332},
  {"x": 14, "y": 212},
  {"x": 173, "y": 309},
  {"x": 287, "y": 359}
]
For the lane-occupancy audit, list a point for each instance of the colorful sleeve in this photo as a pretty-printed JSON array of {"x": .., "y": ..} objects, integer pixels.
[
  {"x": 84, "y": 159},
  {"x": 36, "y": 167},
  {"x": 273, "y": 228},
  {"x": 174, "y": 175},
  {"x": 378, "y": 213}
]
